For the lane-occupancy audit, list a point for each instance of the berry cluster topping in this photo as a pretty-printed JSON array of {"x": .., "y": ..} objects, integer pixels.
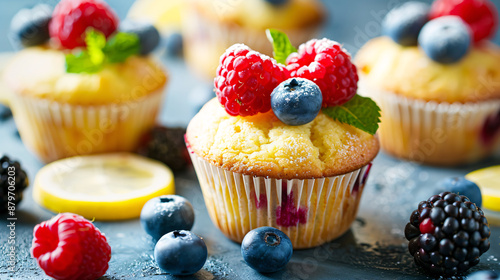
[
  {"x": 71, "y": 18},
  {"x": 245, "y": 80},
  {"x": 447, "y": 234},
  {"x": 327, "y": 64},
  {"x": 404, "y": 22},
  {"x": 90, "y": 27},
  {"x": 446, "y": 39},
  {"x": 320, "y": 72},
  {"x": 296, "y": 101},
  {"x": 13, "y": 181},
  {"x": 480, "y": 15},
  {"x": 445, "y": 30},
  {"x": 70, "y": 247}
]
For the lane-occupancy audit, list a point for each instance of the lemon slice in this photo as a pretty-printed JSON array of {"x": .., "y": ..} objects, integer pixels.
[
  {"x": 488, "y": 180},
  {"x": 102, "y": 187}
]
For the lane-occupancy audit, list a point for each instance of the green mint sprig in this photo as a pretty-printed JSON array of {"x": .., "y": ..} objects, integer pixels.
[
  {"x": 360, "y": 112},
  {"x": 282, "y": 47},
  {"x": 99, "y": 52}
]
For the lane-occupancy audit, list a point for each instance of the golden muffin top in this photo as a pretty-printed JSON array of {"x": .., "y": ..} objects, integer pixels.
[
  {"x": 40, "y": 72},
  {"x": 261, "y": 145},
  {"x": 260, "y": 14},
  {"x": 408, "y": 71}
]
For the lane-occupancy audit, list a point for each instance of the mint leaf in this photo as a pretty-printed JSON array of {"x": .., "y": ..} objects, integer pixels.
[
  {"x": 360, "y": 112},
  {"x": 121, "y": 46},
  {"x": 95, "y": 41},
  {"x": 99, "y": 52},
  {"x": 282, "y": 47},
  {"x": 81, "y": 63}
]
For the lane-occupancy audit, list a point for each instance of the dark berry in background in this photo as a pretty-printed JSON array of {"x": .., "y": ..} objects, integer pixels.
[
  {"x": 447, "y": 233},
  {"x": 403, "y": 23},
  {"x": 462, "y": 186},
  {"x": 277, "y": 2},
  {"x": 149, "y": 37},
  {"x": 5, "y": 113},
  {"x": 174, "y": 44},
  {"x": 11, "y": 171},
  {"x": 166, "y": 145},
  {"x": 30, "y": 27}
]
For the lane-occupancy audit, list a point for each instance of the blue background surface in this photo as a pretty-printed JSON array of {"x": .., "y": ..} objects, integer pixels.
[{"x": 374, "y": 248}]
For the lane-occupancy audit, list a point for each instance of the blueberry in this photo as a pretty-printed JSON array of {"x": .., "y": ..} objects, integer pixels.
[
  {"x": 484, "y": 275},
  {"x": 181, "y": 252},
  {"x": 173, "y": 44},
  {"x": 403, "y": 23},
  {"x": 266, "y": 249},
  {"x": 31, "y": 26},
  {"x": 277, "y": 2},
  {"x": 446, "y": 39},
  {"x": 5, "y": 113},
  {"x": 166, "y": 213},
  {"x": 296, "y": 101},
  {"x": 462, "y": 186},
  {"x": 149, "y": 36}
]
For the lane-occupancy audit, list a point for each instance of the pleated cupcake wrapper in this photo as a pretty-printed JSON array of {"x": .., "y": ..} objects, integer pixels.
[
  {"x": 432, "y": 132},
  {"x": 206, "y": 40},
  {"x": 311, "y": 211},
  {"x": 55, "y": 130}
]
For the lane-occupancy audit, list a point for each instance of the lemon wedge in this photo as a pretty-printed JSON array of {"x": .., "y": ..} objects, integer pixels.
[
  {"x": 488, "y": 180},
  {"x": 102, "y": 187}
]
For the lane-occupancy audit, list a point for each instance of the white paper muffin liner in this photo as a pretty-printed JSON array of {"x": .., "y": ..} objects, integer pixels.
[
  {"x": 54, "y": 130},
  {"x": 206, "y": 40},
  {"x": 432, "y": 132},
  {"x": 310, "y": 211}
]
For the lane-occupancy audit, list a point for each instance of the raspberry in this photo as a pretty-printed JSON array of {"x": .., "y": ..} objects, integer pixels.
[
  {"x": 481, "y": 15},
  {"x": 447, "y": 234},
  {"x": 245, "y": 80},
  {"x": 70, "y": 247},
  {"x": 329, "y": 66},
  {"x": 71, "y": 18}
]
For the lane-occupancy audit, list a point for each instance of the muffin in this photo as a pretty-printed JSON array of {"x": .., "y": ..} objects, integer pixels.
[
  {"x": 66, "y": 104},
  {"x": 437, "y": 108},
  {"x": 281, "y": 164},
  {"x": 210, "y": 27}
]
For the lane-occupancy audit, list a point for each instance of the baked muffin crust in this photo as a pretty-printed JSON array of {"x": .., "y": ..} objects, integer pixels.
[
  {"x": 262, "y": 145},
  {"x": 409, "y": 72}
]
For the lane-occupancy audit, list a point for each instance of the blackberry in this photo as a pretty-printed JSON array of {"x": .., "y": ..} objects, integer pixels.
[
  {"x": 13, "y": 181},
  {"x": 447, "y": 234},
  {"x": 166, "y": 145}
]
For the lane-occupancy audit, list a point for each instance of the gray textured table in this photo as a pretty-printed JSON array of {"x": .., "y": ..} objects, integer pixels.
[{"x": 374, "y": 248}]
